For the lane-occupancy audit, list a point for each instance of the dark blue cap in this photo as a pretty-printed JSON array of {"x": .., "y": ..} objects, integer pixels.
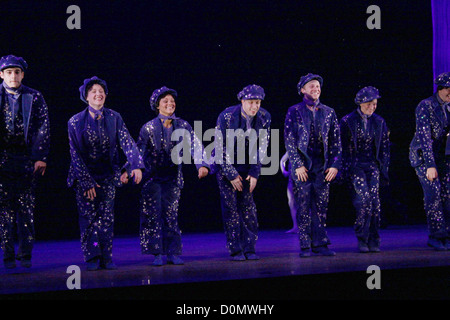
[
  {"x": 13, "y": 62},
  {"x": 307, "y": 78},
  {"x": 443, "y": 79},
  {"x": 86, "y": 84},
  {"x": 251, "y": 92},
  {"x": 367, "y": 94},
  {"x": 159, "y": 92}
]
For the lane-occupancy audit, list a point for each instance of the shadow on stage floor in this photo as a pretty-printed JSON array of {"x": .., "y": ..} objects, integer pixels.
[{"x": 408, "y": 269}]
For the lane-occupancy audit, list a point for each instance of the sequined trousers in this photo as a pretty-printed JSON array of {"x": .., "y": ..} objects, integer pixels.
[
  {"x": 311, "y": 198},
  {"x": 239, "y": 216},
  {"x": 17, "y": 204},
  {"x": 96, "y": 220},
  {"x": 365, "y": 180},
  {"x": 159, "y": 229},
  {"x": 437, "y": 199}
]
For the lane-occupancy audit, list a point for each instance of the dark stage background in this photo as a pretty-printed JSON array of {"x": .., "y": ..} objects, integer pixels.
[{"x": 208, "y": 51}]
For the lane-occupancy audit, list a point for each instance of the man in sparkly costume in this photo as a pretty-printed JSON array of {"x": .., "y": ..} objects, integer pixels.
[
  {"x": 430, "y": 156},
  {"x": 365, "y": 160},
  {"x": 24, "y": 147},
  {"x": 312, "y": 140}
]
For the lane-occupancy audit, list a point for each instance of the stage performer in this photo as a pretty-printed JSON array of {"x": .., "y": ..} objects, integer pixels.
[
  {"x": 24, "y": 147},
  {"x": 365, "y": 160},
  {"x": 312, "y": 140},
  {"x": 430, "y": 156},
  {"x": 246, "y": 126},
  {"x": 95, "y": 135},
  {"x": 163, "y": 180}
]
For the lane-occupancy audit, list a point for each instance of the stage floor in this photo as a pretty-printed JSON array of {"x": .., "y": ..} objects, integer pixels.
[{"x": 409, "y": 269}]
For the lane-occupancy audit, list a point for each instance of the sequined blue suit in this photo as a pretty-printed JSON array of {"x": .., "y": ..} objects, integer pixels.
[
  {"x": 365, "y": 156},
  {"x": 94, "y": 151},
  {"x": 162, "y": 184},
  {"x": 24, "y": 139},
  {"x": 238, "y": 208},
  {"x": 427, "y": 150},
  {"x": 317, "y": 151}
]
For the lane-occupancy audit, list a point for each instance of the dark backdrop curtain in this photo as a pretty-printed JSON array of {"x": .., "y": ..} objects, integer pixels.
[{"x": 441, "y": 36}]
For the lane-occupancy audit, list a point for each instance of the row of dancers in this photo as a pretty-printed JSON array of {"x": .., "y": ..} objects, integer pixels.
[{"x": 319, "y": 149}]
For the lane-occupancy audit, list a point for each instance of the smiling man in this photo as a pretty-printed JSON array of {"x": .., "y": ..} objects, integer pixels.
[
  {"x": 365, "y": 158},
  {"x": 312, "y": 140},
  {"x": 24, "y": 147},
  {"x": 430, "y": 156}
]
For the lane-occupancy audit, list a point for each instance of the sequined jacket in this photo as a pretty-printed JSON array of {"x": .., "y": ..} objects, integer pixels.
[
  {"x": 36, "y": 122},
  {"x": 230, "y": 119},
  {"x": 150, "y": 143},
  {"x": 118, "y": 136},
  {"x": 296, "y": 136},
  {"x": 348, "y": 126},
  {"x": 430, "y": 126}
]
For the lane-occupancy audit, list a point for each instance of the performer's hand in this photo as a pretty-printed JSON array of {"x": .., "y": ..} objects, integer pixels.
[
  {"x": 91, "y": 194},
  {"x": 202, "y": 172},
  {"x": 39, "y": 167},
  {"x": 124, "y": 178},
  {"x": 237, "y": 183},
  {"x": 432, "y": 173},
  {"x": 137, "y": 174},
  {"x": 252, "y": 181},
  {"x": 301, "y": 173},
  {"x": 331, "y": 174}
]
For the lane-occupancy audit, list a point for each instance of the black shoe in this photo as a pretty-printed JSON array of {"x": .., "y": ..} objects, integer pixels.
[
  {"x": 93, "y": 264},
  {"x": 251, "y": 256},
  {"x": 238, "y": 257},
  {"x": 173, "y": 259},
  {"x": 362, "y": 246},
  {"x": 26, "y": 263},
  {"x": 324, "y": 251},
  {"x": 110, "y": 266},
  {"x": 158, "y": 260},
  {"x": 305, "y": 252},
  {"x": 436, "y": 244},
  {"x": 9, "y": 264},
  {"x": 447, "y": 244},
  {"x": 374, "y": 246}
]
